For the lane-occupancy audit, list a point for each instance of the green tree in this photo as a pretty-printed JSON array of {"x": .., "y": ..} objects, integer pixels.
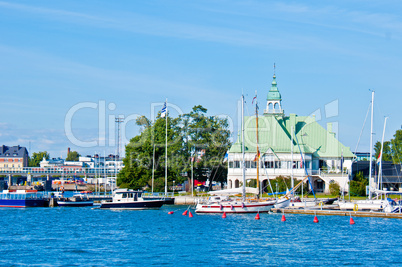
[
  {"x": 36, "y": 158},
  {"x": 138, "y": 162},
  {"x": 73, "y": 156},
  {"x": 357, "y": 186},
  {"x": 206, "y": 138},
  {"x": 386, "y": 151},
  {"x": 396, "y": 147}
]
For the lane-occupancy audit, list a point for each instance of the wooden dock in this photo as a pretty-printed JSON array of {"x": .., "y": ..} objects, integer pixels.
[{"x": 338, "y": 213}]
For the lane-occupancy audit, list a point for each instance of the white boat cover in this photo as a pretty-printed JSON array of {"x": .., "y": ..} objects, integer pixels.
[{"x": 233, "y": 191}]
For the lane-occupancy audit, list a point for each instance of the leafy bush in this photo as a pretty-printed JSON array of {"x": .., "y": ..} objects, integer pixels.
[
  {"x": 358, "y": 185},
  {"x": 334, "y": 188}
]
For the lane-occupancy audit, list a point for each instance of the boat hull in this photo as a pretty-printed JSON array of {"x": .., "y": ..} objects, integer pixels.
[
  {"x": 235, "y": 207},
  {"x": 363, "y": 205},
  {"x": 166, "y": 200},
  {"x": 22, "y": 203},
  {"x": 282, "y": 203},
  {"x": 75, "y": 203},
  {"x": 134, "y": 205}
]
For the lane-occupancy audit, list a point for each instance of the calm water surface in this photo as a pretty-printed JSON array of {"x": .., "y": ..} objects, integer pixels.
[{"x": 93, "y": 237}]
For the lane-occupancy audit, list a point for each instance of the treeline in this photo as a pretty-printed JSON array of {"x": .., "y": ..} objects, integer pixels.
[
  {"x": 192, "y": 136},
  {"x": 392, "y": 150}
]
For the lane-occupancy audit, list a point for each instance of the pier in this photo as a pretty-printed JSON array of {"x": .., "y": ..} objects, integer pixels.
[{"x": 334, "y": 212}]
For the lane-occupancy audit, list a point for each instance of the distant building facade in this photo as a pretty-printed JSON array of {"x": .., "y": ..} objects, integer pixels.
[
  {"x": 13, "y": 157},
  {"x": 325, "y": 158}
]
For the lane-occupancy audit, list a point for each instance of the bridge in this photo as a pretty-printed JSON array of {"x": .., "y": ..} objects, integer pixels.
[{"x": 37, "y": 173}]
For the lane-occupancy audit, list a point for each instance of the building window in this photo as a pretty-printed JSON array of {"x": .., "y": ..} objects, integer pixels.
[
  {"x": 247, "y": 164},
  {"x": 230, "y": 164},
  {"x": 237, "y": 164},
  {"x": 253, "y": 164}
]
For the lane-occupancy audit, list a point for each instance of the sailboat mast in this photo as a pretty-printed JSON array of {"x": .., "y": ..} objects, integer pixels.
[
  {"x": 243, "y": 150},
  {"x": 153, "y": 169},
  {"x": 382, "y": 149},
  {"x": 166, "y": 162},
  {"x": 258, "y": 150},
  {"x": 371, "y": 145},
  {"x": 291, "y": 153}
]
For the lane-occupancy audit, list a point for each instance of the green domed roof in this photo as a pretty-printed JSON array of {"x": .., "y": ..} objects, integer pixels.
[{"x": 273, "y": 93}]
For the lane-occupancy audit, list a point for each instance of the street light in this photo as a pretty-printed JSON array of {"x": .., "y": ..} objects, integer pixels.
[{"x": 173, "y": 187}]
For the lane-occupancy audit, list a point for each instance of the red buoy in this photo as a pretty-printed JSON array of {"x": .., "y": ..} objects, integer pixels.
[
  {"x": 190, "y": 215},
  {"x": 257, "y": 217},
  {"x": 185, "y": 213},
  {"x": 224, "y": 215},
  {"x": 170, "y": 212},
  {"x": 351, "y": 220},
  {"x": 315, "y": 219},
  {"x": 283, "y": 218}
]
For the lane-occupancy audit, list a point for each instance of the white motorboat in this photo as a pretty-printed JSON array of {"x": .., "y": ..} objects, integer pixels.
[{"x": 130, "y": 199}]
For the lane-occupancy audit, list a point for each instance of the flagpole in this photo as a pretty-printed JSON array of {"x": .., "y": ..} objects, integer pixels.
[{"x": 166, "y": 162}]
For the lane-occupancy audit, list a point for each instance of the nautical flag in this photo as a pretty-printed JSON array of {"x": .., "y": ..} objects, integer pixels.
[
  {"x": 342, "y": 161},
  {"x": 252, "y": 102},
  {"x": 379, "y": 158},
  {"x": 257, "y": 156},
  {"x": 163, "y": 111},
  {"x": 225, "y": 158}
]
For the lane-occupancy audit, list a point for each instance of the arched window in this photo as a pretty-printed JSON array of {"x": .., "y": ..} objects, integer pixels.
[
  {"x": 230, "y": 184},
  {"x": 270, "y": 106},
  {"x": 237, "y": 185},
  {"x": 276, "y": 107}
]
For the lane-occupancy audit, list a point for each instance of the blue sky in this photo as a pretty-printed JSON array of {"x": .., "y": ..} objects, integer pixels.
[{"x": 122, "y": 58}]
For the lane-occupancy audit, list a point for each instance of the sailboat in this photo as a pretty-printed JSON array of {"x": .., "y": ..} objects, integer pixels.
[{"x": 219, "y": 204}]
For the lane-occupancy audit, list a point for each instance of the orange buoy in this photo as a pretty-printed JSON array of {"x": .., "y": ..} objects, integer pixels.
[
  {"x": 257, "y": 217},
  {"x": 190, "y": 215},
  {"x": 315, "y": 219},
  {"x": 170, "y": 212},
  {"x": 351, "y": 220},
  {"x": 185, "y": 213},
  {"x": 283, "y": 218},
  {"x": 224, "y": 215}
]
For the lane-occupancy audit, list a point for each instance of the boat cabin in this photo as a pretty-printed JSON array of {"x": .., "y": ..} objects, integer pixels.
[{"x": 127, "y": 195}]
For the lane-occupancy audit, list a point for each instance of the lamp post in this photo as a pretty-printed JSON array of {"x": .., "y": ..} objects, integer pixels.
[{"x": 173, "y": 187}]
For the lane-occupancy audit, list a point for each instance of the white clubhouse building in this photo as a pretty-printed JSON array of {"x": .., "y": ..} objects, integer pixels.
[{"x": 325, "y": 158}]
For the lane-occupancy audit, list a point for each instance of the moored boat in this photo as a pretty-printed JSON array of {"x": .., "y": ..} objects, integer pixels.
[
  {"x": 130, "y": 199},
  {"x": 21, "y": 199},
  {"x": 79, "y": 200}
]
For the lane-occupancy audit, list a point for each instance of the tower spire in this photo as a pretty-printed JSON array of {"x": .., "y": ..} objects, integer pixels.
[{"x": 274, "y": 99}]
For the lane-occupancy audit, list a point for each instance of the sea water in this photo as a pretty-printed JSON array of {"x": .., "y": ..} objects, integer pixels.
[{"x": 86, "y": 236}]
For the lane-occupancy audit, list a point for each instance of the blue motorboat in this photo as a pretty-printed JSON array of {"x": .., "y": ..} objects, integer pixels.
[{"x": 21, "y": 199}]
